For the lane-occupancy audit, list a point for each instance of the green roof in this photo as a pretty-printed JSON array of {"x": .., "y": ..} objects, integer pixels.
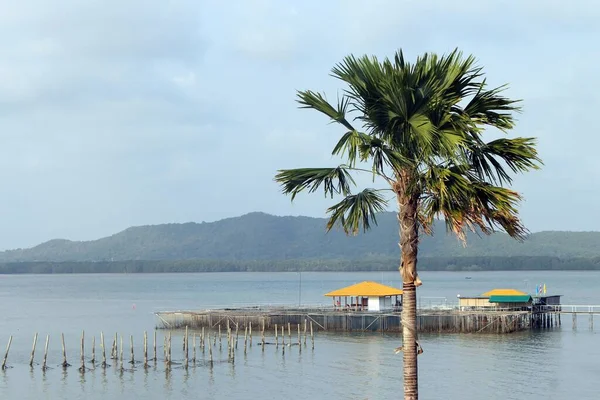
[{"x": 510, "y": 299}]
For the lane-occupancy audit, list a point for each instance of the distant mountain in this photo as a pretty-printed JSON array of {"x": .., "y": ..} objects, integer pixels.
[{"x": 258, "y": 236}]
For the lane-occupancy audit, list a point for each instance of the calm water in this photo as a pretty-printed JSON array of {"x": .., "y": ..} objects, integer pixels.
[{"x": 561, "y": 364}]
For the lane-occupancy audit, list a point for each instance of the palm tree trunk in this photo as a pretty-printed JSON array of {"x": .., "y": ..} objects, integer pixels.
[{"x": 409, "y": 238}]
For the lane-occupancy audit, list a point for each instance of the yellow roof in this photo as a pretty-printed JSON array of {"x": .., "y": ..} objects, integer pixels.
[
  {"x": 503, "y": 292},
  {"x": 367, "y": 289}
]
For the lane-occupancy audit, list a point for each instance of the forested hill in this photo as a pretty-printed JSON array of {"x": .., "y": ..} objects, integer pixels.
[{"x": 259, "y": 236}]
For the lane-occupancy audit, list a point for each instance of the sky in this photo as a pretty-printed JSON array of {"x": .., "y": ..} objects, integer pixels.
[{"x": 120, "y": 113}]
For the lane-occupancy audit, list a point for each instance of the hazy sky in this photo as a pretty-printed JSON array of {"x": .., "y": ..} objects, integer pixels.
[{"x": 119, "y": 113}]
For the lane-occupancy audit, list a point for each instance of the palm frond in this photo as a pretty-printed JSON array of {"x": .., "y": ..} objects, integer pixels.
[
  {"x": 334, "y": 181},
  {"x": 488, "y": 160},
  {"x": 316, "y": 101},
  {"x": 467, "y": 203},
  {"x": 357, "y": 211}
]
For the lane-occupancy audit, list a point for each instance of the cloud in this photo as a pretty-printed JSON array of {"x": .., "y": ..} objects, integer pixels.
[{"x": 121, "y": 113}]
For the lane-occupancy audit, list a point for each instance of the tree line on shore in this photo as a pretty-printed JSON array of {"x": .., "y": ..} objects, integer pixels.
[{"x": 523, "y": 263}]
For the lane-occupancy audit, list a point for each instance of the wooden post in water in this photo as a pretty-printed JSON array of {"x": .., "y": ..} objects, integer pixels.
[
  {"x": 210, "y": 356},
  {"x": 114, "y": 351},
  {"x": 132, "y": 362},
  {"x": 202, "y": 340},
  {"x": 169, "y": 349},
  {"x": 276, "y": 336},
  {"x": 103, "y": 349},
  {"x": 299, "y": 339},
  {"x": 6, "y": 354},
  {"x": 194, "y": 347},
  {"x": 237, "y": 335},
  {"x": 232, "y": 350},
  {"x": 305, "y": 328},
  {"x": 165, "y": 348},
  {"x": 312, "y": 336},
  {"x": 290, "y": 332},
  {"x": 245, "y": 339},
  {"x": 262, "y": 335},
  {"x": 154, "y": 344},
  {"x": 93, "y": 360},
  {"x": 44, "y": 367},
  {"x": 592, "y": 322},
  {"x": 64, "y": 363},
  {"x": 282, "y": 340},
  {"x": 33, "y": 350},
  {"x": 121, "y": 353},
  {"x": 574, "y": 321},
  {"x": 82, "y": 368},
  {"x": 145, "y": 349},
  {"x": 250, "y": 332},
  {"x": 187, "y": 353},
  {"x": 220, "y": 345}
]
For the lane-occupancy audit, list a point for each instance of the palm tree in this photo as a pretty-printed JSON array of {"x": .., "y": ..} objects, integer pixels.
[{"x": 418, "y": 128}]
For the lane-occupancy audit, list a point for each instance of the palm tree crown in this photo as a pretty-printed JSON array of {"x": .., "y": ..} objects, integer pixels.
[{"x": 420, "y": 128}]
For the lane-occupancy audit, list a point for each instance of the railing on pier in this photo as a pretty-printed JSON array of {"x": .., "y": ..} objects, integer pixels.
[{"x": 573, "y": 309}]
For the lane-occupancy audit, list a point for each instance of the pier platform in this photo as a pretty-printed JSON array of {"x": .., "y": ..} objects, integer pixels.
[{"x": 332, "y": 320}]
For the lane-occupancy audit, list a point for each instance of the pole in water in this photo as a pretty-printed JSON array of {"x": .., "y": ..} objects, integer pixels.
[
  {"x": 312, "y": 336},
  {"x": 33, "y": 350},
  {"x": 155, "y": 345},
  {"x": 210, "y": 356},
  {"x": 290, "y": 332},
  {"x": 282, "y": 336},
  {"x": 187, "y": 361},
  {"x": 65, "y": 364},
  {"x": 219, "y": 337},
  {"x": 276, "y": 337},
  {"x": 131, "y": 347},
  {"x": 6, "y": 354},
  {"x": 121, "y": 354},
  {"x": 103, "y": 349},
  {"x": 145, "y": 349},
  {"x": 305, "y": 325},
  {"x": 194, "y": 347},
  {"x": 82, "y": 368},
  {"x": 93, "y": 360},
  {"x": 250, "y": 332},
  {"x": 44, "y": 367}
]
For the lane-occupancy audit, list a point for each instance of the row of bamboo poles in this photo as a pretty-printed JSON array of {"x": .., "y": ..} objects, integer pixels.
[{"x": 202, "y": 342}]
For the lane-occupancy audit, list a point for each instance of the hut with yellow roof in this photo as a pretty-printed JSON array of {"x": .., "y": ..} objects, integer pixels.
[
  {"x": 497, "y": 298},
  {"x": 366, "y": 296}
]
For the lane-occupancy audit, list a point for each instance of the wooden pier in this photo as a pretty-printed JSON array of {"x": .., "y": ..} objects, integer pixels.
[{"x": 441, "y": 321}]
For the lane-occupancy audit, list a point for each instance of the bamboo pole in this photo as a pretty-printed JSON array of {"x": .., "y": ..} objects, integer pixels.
[
  {"x": 169, "y": 341},
  {"x": 210, "y": 355},
  {"x": 145, "y": 349},
  {"x": 194, "y": 348},
  {"x": 132, "y": 362},
  {"x": 65, "y": 364},
  {"x": 121, "y": 353},
  {"x": 245, "y": 339},
  {"x": 250, "y": 332},
  {"x": 299, "y": 339},
  {"x": 114, "y": 351},
  {"x": 154, "y": 346},
  {"x": 103, "y": 349},
  {"x": 282, "y": 336},
  {"x": 6, "y": 354},
  {"x": 44, "y": 367},
  {"x": 187, "y": 361},
  {"x": 232, "y": 350},
  {"x": 305, "y": 326},
  {"x": 33, "y": 350},
  {"x": 82, "y": 368},
  {"x": 262, "y": 335},
  {"x": 202, "y": 338},
  {"x": 220, "y": 337},
  {"x": 276, "y": 336},
  {"x": 312, "y": 336},
  {"x": 165, "y": 348},
  {"x": 237, "y": 335},
  {"x": 290, "y": 332},
  {"x": 93, "y": 360}
]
